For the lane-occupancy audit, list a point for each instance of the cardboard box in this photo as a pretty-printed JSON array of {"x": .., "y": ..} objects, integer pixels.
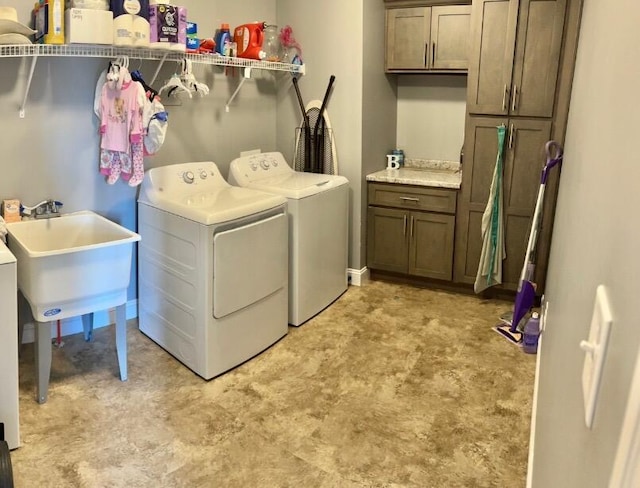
[
  {"x": 11, "y": 210},
  {"x": 168, "y": 23},
  {"x": 88, "y": 26}
]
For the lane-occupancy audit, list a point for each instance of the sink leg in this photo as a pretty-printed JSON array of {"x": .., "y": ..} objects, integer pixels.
[
  {"x": 121, "y": 339},
  {"x": 87, "y": 325},
  {"x": 43, "y": 359}
]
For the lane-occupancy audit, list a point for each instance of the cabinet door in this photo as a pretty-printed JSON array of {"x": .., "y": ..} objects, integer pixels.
[
  {"x": 524, "y": 159},
  {"x": 481, "y": 149},
  {"x": 407, "y": 38},
  {"x": 387, "y": 231},
  {"x": 537, "y": 57},
  {"x": 450, "y": 31},
  {"x": 431, "y": 245},
  {"x": 493, "y": 37}
]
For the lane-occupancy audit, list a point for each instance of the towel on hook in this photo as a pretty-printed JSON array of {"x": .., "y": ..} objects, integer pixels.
[{"x": 493, "y": 245}]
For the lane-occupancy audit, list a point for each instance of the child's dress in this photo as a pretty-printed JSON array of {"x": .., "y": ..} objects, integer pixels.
[{"x": 121, "y": 152}]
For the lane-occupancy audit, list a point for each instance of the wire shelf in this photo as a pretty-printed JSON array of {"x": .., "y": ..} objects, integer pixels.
[
  {"x": 97, "y": 51},
  {"x": 35, "y": 51}
]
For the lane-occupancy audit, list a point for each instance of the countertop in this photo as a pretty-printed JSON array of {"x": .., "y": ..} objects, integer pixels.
[{"x": 422, "y": 172}]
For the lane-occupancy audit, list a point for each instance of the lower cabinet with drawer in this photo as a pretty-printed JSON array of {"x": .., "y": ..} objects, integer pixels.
[{"x": 410, "y": 230}]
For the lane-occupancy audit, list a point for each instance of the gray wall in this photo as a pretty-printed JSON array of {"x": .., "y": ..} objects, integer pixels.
[
  {"x": 379, "y": 109},
  {"x": 431, "y": 116},
  {"x": 53, "y": 151},
  {"x": 345, "y": 39},
  {"x": 595, "y": 241},
  {"x": 331, "y": 34}
]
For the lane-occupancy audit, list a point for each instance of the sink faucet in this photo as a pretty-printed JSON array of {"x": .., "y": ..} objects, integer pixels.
[{"x": 43, "y": 210}]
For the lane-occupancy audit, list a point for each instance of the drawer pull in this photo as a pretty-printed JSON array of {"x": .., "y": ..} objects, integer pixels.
[{"x": 410, "y": 199}]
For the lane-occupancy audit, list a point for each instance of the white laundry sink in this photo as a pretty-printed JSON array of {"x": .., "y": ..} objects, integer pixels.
[{"x": 72, "y": 265}]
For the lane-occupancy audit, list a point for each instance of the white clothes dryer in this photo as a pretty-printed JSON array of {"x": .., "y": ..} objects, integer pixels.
[
  {"x": 212, "y": 267},
  {"x": 318, "y": 208}
]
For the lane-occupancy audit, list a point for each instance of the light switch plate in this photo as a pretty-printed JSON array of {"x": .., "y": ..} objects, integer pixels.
[{"x": 595, "y": 348}]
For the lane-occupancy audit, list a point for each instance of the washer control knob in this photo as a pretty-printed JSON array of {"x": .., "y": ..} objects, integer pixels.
[
  {"x": 265, "y": 164},
  {"x": 254, "y": 166},
  {"x": 188, "y": 177},
  {"x": 274, "y": 163},
  {"x": 203, "y": 175}
]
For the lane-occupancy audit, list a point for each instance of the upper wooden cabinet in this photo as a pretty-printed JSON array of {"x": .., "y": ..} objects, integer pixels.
[
  {"x": 515, "y": 55},
  {"x": 427, "y": 39}
]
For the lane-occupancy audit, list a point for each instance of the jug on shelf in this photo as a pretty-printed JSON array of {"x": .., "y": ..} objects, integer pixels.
[
  {"x": 248, "y": 39},
  {"x": 271, "y": 44}
]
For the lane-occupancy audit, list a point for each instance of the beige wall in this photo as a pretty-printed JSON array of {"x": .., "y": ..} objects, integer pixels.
[{"x": 596, "y": 239}]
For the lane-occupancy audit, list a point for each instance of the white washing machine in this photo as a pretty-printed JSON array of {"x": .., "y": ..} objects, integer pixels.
[
  {"x": 212, "y": 267},
  {"x": 318, "y": 208},
  {"x": 9, "y": 347}
]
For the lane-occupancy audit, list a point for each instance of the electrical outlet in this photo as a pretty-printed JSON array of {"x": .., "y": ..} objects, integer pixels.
[{"x": 250, "y": 152}]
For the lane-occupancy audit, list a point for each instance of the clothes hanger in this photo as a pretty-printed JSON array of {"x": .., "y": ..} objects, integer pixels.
[
  {"x": 118, "y": 72},
  {"x": 174, "y": 86},
  {"x": 151, "y": 92},
  {"x": 189, "y": 80}
]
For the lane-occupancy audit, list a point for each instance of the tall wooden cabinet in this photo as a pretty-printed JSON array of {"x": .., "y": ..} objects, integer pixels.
[
  {"x": 522, "y": 164},
  {"x": 521, "y": 64},
  {"x": 515, "y": 56},
  {"x": 423, "y": 39}
]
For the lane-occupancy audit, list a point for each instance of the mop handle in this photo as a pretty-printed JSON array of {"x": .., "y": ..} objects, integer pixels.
[
  {"x": 553, "y": 152},
  {"x": 552, "y": 160}
]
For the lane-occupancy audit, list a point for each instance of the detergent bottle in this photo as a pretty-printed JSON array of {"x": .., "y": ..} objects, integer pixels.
[
  {"x": 249, "y": 38},
  {"x": 223, "y": 40}
]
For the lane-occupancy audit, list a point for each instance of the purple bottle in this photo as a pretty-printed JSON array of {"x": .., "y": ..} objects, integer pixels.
[{"x": 531, "y": 334}]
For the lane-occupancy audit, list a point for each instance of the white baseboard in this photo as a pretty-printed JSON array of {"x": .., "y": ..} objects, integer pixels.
[
  {"x": 73, "y": 325},
  {"x": 358, "y": 277},
  {"x": 534, "y": 414}
]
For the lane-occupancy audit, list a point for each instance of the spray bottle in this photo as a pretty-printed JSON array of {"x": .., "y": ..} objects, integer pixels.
[{"x": 531, "y": 334}]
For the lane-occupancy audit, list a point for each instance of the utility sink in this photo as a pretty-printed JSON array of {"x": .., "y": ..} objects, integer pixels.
[
  {"x": 75, "y": 264},
  {"x": 71, "y": 265}
]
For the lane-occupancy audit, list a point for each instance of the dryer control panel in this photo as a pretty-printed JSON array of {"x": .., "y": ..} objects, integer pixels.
[
  {"x": 184, "y": 178},
  {"x": 247, "y": 169}
]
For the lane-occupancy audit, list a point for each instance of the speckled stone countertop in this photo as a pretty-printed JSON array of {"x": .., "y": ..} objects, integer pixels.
[{"x": 422, "y": 172}]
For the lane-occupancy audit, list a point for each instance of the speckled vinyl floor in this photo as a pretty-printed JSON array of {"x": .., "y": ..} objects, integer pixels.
[{"x": 391, "y": 386}]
